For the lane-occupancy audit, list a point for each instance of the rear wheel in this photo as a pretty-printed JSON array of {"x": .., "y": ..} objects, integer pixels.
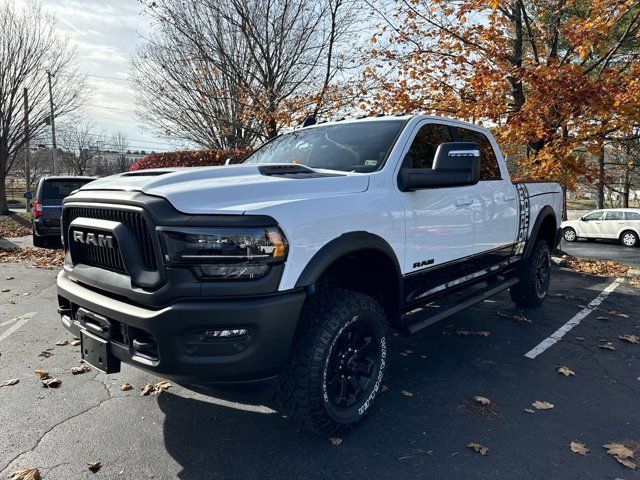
[
  {"x": 570, "y": 234},
  {"x": 534, "y": 275},
  {"x": 629, "y": 238},
  {"x": 337, "y": 364}
]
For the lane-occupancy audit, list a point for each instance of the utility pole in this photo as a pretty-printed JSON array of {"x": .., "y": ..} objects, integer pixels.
[
  {"x": 27, "y": 153},
  {"x": 53, "y": 128}
]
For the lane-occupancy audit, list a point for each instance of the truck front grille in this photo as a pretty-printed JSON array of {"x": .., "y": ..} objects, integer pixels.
[{"x": 110, "y": 259}]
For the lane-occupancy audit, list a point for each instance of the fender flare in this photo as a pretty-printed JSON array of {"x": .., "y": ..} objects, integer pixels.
[
  {"x": 546, "y": 212},
  {"x": 338, "y": 247}
]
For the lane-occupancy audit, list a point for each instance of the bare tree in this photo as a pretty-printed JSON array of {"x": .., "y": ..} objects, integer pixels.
[
  {"x": 81, "y": 139},
  {"x": 120, "y": 145},
  {"x": 29, "y": 47},
  {"x": 226, "y": 74},
  {"x": 40, "y": 163}
]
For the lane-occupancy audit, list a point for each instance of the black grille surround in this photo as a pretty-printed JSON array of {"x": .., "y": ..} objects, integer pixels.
[{"x": 110, "y": 259}]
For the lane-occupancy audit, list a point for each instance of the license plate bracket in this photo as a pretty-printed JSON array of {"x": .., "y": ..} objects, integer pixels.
[{"x": 95, "y": 351}]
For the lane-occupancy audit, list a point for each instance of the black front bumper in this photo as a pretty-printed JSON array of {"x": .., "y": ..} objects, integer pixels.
[{"x": 179, "y": 349}]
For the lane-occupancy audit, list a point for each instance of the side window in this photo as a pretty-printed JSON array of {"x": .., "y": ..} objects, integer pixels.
[
  {"x": 489, "y": 168},
  {"x": 594, "y": 216},
  {"x": 632, "y": 215},
  {"x": 424, "y": 146},
  {"x": 615, "y": 216}
]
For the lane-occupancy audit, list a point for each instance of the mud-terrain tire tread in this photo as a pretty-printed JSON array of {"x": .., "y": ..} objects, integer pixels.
[
  {"x": 524, "y": 292},
  {"x": 299, "y": 395}
]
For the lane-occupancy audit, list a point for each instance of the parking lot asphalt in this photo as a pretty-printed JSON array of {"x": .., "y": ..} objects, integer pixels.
[
  {"x": 603, "y": 250},
  {"x": 421, "y": 433}
]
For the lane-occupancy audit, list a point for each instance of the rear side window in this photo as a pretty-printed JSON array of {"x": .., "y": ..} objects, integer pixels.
[
  {"x": 632, "y": 215},
  {"x": 615, "y": 216},
  {"x": 424, "y": 146},
  {"x": 489, "y": 168},
  {"x": 56, "y": 190}
]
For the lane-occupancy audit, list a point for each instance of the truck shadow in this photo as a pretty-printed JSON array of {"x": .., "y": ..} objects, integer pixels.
[{"x": 424, "y": 420}]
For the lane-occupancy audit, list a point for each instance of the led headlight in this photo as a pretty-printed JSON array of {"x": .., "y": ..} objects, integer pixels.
[{"x": 224, "y": 253}]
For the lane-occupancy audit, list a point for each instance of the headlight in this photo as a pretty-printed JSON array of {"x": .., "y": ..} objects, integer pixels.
[{"x": 224, "y": 253}]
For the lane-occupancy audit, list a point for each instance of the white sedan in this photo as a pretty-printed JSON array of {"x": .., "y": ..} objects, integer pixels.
[{"x": 622, "y": 224}]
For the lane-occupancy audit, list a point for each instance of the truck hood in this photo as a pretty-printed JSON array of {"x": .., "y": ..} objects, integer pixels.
[{"x": 233, "y": 189}]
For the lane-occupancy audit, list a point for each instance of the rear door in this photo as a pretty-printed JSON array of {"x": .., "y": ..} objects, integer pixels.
[
  {"x": 613, "y": 222},
  {"x": 494, "y": 200}
]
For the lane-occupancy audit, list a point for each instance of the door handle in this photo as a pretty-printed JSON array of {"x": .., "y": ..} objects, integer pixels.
[{"x": 463, "y": 202}]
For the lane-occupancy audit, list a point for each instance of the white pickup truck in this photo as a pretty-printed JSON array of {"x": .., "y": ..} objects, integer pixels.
[{"x": 289, "y": 269}]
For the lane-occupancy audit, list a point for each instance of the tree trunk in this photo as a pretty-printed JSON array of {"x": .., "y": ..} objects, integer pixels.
[
  {"x": 600, "y": 184},
  {"x": 627, "y": 186},
  {"x": 4, "y": 206}
]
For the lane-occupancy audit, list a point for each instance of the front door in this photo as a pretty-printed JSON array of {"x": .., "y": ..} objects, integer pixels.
[
  {"x": 590, "y": 225},
  {"x": 439, "y": 221}
]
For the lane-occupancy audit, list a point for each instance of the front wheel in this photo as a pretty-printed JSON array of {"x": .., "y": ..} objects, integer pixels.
[
  {"x": 534, "y": 275},
  {"x": 338, "y": 362},
  {"x": 570, "y": 234},
  {"x": 629, "y": 239}
]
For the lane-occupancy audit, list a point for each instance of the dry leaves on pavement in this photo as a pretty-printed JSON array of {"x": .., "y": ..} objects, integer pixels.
[
  {"x": 540, "y": 405},
  {"x": 125, "y": 386},
  {"x": 151, "y": 389},
  {"x": 10, "y": 383},
  {"x": 62, "y": 343},
  {"x": 406, "y": 393},
  {"x": 518, "y": 317},
  {"x": 616, "y": 313},
  {"x": 79, "y": 369},
  {"x": 578, "y": 447},
  {"x": 25, "y": 474},
  {"x": 607, "y": 346},
  {"x": 481, "y": 449},
  {"x": 94, "y": 466},
  {"x": 14, "y": 225},
  {"x": 596, "y": 267},
  {"x": 42, "y": 374},
  {"x": 335, "y": 441},
  {"x": 482, "y": 400},
  {"x": 529, "y": 410},
  {"x": 630, "y": 338},
  {"x": 622, "y": 454},
  {"x": 45, "y": 354},
  {"x": 39, "y": 257},
  {"x": 51, "y": 383},
  {"x": 564, "y": 370}
]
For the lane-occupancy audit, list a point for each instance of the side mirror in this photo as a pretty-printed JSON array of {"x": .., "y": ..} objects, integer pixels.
[
  {"x": 455, "y": 164},
  {"x": 584, "y": 219}
]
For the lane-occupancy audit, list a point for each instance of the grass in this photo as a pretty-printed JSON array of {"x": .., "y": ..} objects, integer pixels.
[{"x": 16, "y": 224}]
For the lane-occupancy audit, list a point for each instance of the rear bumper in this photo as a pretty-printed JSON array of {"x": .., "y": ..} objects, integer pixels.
[
  {"x": 52, "y": 229},
  {"x": 182, "y": 352}
]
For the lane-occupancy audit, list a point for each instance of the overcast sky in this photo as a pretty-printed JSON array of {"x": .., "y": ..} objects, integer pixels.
[{"x": 105, "y": 34}]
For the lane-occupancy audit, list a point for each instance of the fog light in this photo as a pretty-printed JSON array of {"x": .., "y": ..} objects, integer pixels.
[{"x": 226, "y": 333}]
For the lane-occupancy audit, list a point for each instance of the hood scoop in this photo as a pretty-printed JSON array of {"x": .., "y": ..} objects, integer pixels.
[{"x": 293, "y": 171}]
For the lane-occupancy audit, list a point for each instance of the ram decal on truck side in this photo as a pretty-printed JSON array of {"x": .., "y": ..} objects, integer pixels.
[{"x": 288, "y": 269}]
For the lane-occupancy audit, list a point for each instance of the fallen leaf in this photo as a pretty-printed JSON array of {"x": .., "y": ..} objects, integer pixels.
[
  {"x": 521, "y": 318},
  {"x": 51, "y": 383},
  {"x": 147, "y": 390},
  {"x": 481, "y": 449},
  {"x": 94, "y": 466},
  {"x": 406, "y": 393},
  {"x": 9, "y": 383},
  {"x": 6, "y": 290},
  {"x": 602, "y": 318},
  {"x": 384, "y": 388},
  {"x": 580, "y": 339},
  {"x": 408, "y": 351},
  {"x": 607, "y": 346},
  {"x": 62, "y": 343},
  {"x": 26, "y": 474},
  {"x": 45, "y": 354},
  {"x": 483, "y": 334},
  {"x": 162, "y": 386},
  {"x": 335, "y": 441},
  {"x": 615, "y": 313},
  {"x": 630, "y": 338},
  {"x": 529, "y": 410},
  {"x": 82, "y": 368},
  {"x": 423, "y": 356},
  {"x": 463, "y": 332},
  {"x": 151, "y": 389},
  {"x": 125, "y": 386},
  {"x": 618, "y": 450},
  {"x": 564, "y": 370},
  {"x": 578, "y": 447},
  {"x": 540, "y": 405},
  {"x": 627, "y": 463},
  {"x": 75, "y": 343},
  {"x": 503, "y": 315},
  {"x": 402, "y": 354},
  {"x": 42, "y": 375},
  {"x": 482, "y": 400}
]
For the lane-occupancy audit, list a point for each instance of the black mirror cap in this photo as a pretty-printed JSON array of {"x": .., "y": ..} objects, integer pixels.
[{"x": 455, "y": 164}]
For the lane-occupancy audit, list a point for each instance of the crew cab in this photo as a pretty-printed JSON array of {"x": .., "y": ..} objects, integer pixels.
[{"x": 290, "y": 268}]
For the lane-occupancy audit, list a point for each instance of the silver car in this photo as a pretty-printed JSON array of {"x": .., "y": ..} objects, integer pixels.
[{"x": 621, "y": 224}]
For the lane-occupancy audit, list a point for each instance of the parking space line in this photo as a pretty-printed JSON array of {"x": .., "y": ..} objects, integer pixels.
[
  {"x": 20, "y": 321},
  {"x": 577, "y": 318}
]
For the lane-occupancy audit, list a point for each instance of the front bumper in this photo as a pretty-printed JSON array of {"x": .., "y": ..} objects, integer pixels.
[{"x": 175, "y": 332}]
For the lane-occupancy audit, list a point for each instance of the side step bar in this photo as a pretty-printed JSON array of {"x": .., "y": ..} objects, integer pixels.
[{"x": 488, "y": 292}]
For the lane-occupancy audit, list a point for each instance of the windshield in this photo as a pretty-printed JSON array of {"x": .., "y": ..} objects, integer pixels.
[{"x": 348, "y": 147}]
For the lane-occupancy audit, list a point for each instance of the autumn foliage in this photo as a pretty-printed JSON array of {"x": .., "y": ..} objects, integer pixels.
[
  {"x": 554, "y": 80},
  {"x": 189, "y": 158}
]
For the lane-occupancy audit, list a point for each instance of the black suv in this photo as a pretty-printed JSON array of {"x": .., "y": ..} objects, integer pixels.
[{"x": 47, "y": 206}]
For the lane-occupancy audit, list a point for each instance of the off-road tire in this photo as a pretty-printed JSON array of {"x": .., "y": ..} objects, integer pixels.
[
  {"x": 531, "y": 290},
  {"x": 303, "y": 393}
]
